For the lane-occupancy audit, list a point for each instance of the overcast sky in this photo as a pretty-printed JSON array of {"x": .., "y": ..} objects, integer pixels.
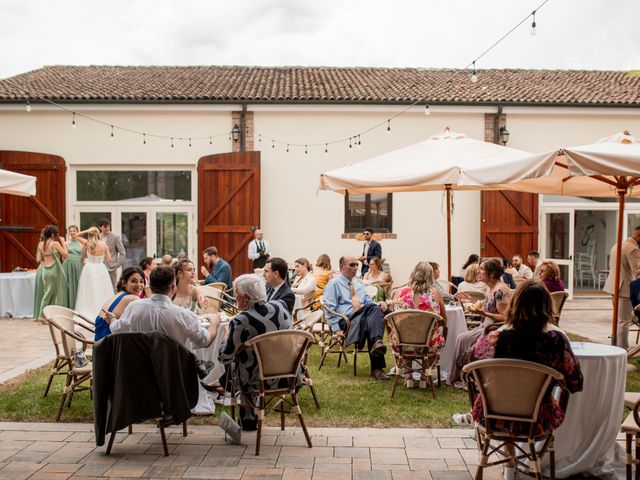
[{"x": 571, "y": 34}]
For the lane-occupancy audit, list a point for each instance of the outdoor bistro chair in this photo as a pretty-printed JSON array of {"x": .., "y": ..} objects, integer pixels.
[
  {"x": 279, "y": 356},
  {"x": 218, "y": 300},
  {"x": 413, "y": 330},
  {"x": 307, "y": 324},
  {"x": 60, "y": 364},
  {"x": 473, "y": 319},
  {"x": 557, "y": 302},
  {"x": 77, "y": 374},
  {"x": 513, "y": 390},
  {"x": 631, "y": 427}
]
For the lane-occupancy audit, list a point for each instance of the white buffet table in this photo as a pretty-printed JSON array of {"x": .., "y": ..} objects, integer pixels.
[
  {"x": 585, "y": 440},
  {"x": 456, "y": 324},
  {"x": 17, "y": 291}
]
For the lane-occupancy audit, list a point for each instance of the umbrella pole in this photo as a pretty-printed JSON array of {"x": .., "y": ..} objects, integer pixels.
[
  {"x": 616, "y": 290},
  {"x": 448, "y": 190}
]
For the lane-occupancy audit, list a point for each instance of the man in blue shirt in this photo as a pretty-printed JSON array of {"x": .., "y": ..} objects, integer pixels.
[
  {"x": 347, "y": 297},
  {"x": 216, "y": 269}
]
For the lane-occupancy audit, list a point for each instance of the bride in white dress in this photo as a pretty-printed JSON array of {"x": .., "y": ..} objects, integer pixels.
[{"x": 94, "y": 287}]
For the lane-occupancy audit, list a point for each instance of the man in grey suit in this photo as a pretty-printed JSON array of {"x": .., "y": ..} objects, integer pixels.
[
  {"x": 629, "y": 271},
  {"x": 116, "y": 248}
]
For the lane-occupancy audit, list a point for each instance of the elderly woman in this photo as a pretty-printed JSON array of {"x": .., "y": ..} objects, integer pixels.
[
  {"x": 494, "y": 307},
  {"x": 550, "y": 276},
  {"x": 257, "y": 318}
]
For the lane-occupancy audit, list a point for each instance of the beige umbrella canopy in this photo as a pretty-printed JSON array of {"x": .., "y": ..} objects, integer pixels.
[
  {"x": 608, "y": 168},
  {"x": 12, "y": 183},
  {"x": 449, "y": 161}
]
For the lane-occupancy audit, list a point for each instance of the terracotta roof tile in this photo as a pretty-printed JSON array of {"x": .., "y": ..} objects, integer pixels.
[{"x": 223, "y": 84}]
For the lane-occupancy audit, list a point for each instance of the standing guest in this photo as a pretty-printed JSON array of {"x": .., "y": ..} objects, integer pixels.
[
  {"x": 259, "y": 250},
  {"x": 50, "y": 280},
  {"x": 494, "y": 308},
  {"x": 130, "y": 285},
  {"x": 550, "y": 276},
  {"x": 370, "y": 250},
  {"x": 117, "y": 253},
  {"x": 472, "y": 281},
  {"x": 421, "y": 294},
  {"x": 158, "y": 314},
  {"x": 304, "y": 283},
  {"x": 522, "y": 272},
  {"x": 375, "y": 276},
  {"x": 349, "y": 298},
  {"x": 276, "y": 275},
  {"x": 447, "y": 297},
  {"x": 533, "y": 259},
  {"x": 322, "y": 273},
  {"x": 258, "y": 317},
  {"x": 72, "y": 266},
  {"x": 166, "y": 260},
  {"x": 629, "y": 271},
  {"x": 188, "y": 294},
  {"x": 215, "y": 269},
  {"x": 94, "y": 287},
  {"x": 147, "y": 265}
]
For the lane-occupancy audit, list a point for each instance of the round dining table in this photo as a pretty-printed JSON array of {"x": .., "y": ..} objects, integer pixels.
[{"x": 456, "y": 324}]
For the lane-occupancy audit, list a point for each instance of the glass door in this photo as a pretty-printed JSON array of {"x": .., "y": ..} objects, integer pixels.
[
  {"x": 557, "y": 242},
  {"x": 133, "y": 230},
  {"x": 172, "y": 232}
]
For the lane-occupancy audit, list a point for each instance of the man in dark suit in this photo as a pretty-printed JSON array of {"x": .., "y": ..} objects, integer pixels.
[
  {"x": 276, "y": 274},
  {"x": 370, "y": 249}
]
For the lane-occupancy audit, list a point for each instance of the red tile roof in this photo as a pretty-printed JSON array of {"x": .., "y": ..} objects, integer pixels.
[{"x": 328, "y": 85}]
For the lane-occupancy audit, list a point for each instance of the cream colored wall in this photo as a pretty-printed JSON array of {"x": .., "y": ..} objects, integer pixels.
[{"x": 300, "y": 221}]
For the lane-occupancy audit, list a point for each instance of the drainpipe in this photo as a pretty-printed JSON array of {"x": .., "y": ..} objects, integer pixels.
[
  {"x": 243, "y": 140},
  {"x": 496, "y": 126}
]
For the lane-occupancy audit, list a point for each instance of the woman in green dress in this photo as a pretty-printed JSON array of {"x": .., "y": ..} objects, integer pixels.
[
  {"x": 72, "y": 266},
  {"x": 51, "y": 285}
]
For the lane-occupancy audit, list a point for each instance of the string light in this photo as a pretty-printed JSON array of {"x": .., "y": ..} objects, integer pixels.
[
  {"x": 533, "y": 24},
  {"x": 273, "y": 144},
  {"x": 305, "y": 150},
  {"x": 259, "y": 138},
  {"x": 171, "y": 142},
  {"x": 427, "y": 111},
  {"x": 112, "y": 136},
  {"x": 189, "y": 142},
  {"x": 73, "y": 121},
  {"x": 474, "y": 75},
  {"x": 359, "y": 142},
  {"x": 326, "y": 148},
  {"x": 388, "y": 126},
  {"x": 287, "y": 148},
  {"x": 27, "y": 107},
  {"x": 144, "y": 138},
  {"x": 210, "y": 141},
  {"x": 350, "y": 146}
]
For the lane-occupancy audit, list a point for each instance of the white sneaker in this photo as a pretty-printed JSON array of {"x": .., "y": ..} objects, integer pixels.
[{"x": 463, "y": 419}]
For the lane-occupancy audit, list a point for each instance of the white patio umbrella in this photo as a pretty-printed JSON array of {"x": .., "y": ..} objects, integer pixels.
[
  {"x": 608, "y": 168},
  {"x": 449, "y": 161},
  {"x": 13, "y": 183}
]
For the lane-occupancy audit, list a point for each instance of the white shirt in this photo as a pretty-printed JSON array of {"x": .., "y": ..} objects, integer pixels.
[
  {"x": 253, "y": 249},
  {"x": 158, "y": 314},
  {"x": 524, "y": 272},
  {"x": 306, "y": 287}
]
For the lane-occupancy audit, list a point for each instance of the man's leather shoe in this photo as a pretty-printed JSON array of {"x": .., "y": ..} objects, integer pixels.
[
  {"x": 379, "y": 374},
  {"x": 378, "y": 348}
]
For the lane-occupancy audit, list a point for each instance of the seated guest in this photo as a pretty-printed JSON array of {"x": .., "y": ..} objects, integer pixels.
[
  {"x": 128, "y": 289},
  {"x": 147, "y": 265},
  {"x": 533, "y": 259},
  {"x": 446, "y": 296},
  {"x": 304, "y": 284},
  {"x": 257, "y": 318},
  {"x": 276, "y": 274},
  {"x": 215, "y": 269},
  {"x": 509, "y": 272},
  {"x": 349, "y": 298},
  {"x": 550, "y": 275},
  {"x": 521, "y": 271},
  {"x": 166, "y": 260},
  {"x": 158, "y": 314},
  {"x": 420, "y": 294},
  {"x": 529, "y": 334},
  {"x": 472, "y": 281},
  {"x": 474, "y": 258},
  {"x": 493, "y": 310},
  {"x": 322, "y": 273},
  {"x": 375, "y": 276},
  {"x": 188, "y": 295}
]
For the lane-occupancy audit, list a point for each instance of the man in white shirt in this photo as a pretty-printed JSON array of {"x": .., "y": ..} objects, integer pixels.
[
  {"x": 521, "y": 270},
  {"x": 159, "y": 314},
  {"x": 533, "y": 258},
  {"x": 259, "y": 250}
]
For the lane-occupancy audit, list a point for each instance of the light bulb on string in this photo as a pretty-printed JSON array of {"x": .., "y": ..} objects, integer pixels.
[
  {"x": 359, "y": 142},
  {"x": 427, "y": 110},
  {"x": 171, "y": 142},
  {"x": 305, "y": 150},
  {"x": 210, "y": 141},
  {"x": 273, "y": 144},
  {"x": 27, "y": 107},
  {"x": 533, "y": 30},
  {"x": 287, "y": 148},
  {"x": 144, "y": 138},
  {"x": 474, "y": 75},
  {"x": 388, "y": 127},
  {"x": 112, "y": 136},
  {"x": 326, "y": 148},
  {"x": 350, "y": 145},
  {"x": 259, "y": 138},
  {"x": 189, "y": 142},
  {"x": 73, "y": 121}
]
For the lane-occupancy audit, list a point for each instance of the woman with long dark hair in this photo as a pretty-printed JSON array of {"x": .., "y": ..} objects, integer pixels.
[
  {"x": 129, "y": 287},
  {"x": 51, "y": 284}
]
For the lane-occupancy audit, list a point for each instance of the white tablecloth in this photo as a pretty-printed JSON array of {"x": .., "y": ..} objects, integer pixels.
[
  {"x": 17, "y": 291},
  {"x": 585, "y": 440},
  {"x": 456, "y": 324}
]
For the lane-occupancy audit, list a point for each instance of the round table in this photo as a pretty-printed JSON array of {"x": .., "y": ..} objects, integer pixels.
[
  {"x": 585, "y": 440},
  {"x": 17, "y": 290},
  {"x": 456, "y": 324}
]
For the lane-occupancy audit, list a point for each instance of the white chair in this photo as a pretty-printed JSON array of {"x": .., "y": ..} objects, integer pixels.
[{"x": 585, "y": 264}]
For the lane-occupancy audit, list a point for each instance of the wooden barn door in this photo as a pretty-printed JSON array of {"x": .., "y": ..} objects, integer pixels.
[
  {"x": 509, "y": 224},
  {"x": 229, "y": 206},
  {"x": 22, "y": 218}
]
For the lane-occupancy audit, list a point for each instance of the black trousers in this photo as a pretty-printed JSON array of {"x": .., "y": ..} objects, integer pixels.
[{"x": 370, "y": 327}]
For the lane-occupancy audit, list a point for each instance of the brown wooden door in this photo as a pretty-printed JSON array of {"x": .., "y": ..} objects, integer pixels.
[
  {"x": 22, "y": 218},
  {"x": 229, "y": 206},
  {"x": 509, "y": 224}
]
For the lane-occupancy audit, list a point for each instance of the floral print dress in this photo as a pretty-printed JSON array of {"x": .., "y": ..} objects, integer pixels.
[{"x": 426, "y": 302}]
